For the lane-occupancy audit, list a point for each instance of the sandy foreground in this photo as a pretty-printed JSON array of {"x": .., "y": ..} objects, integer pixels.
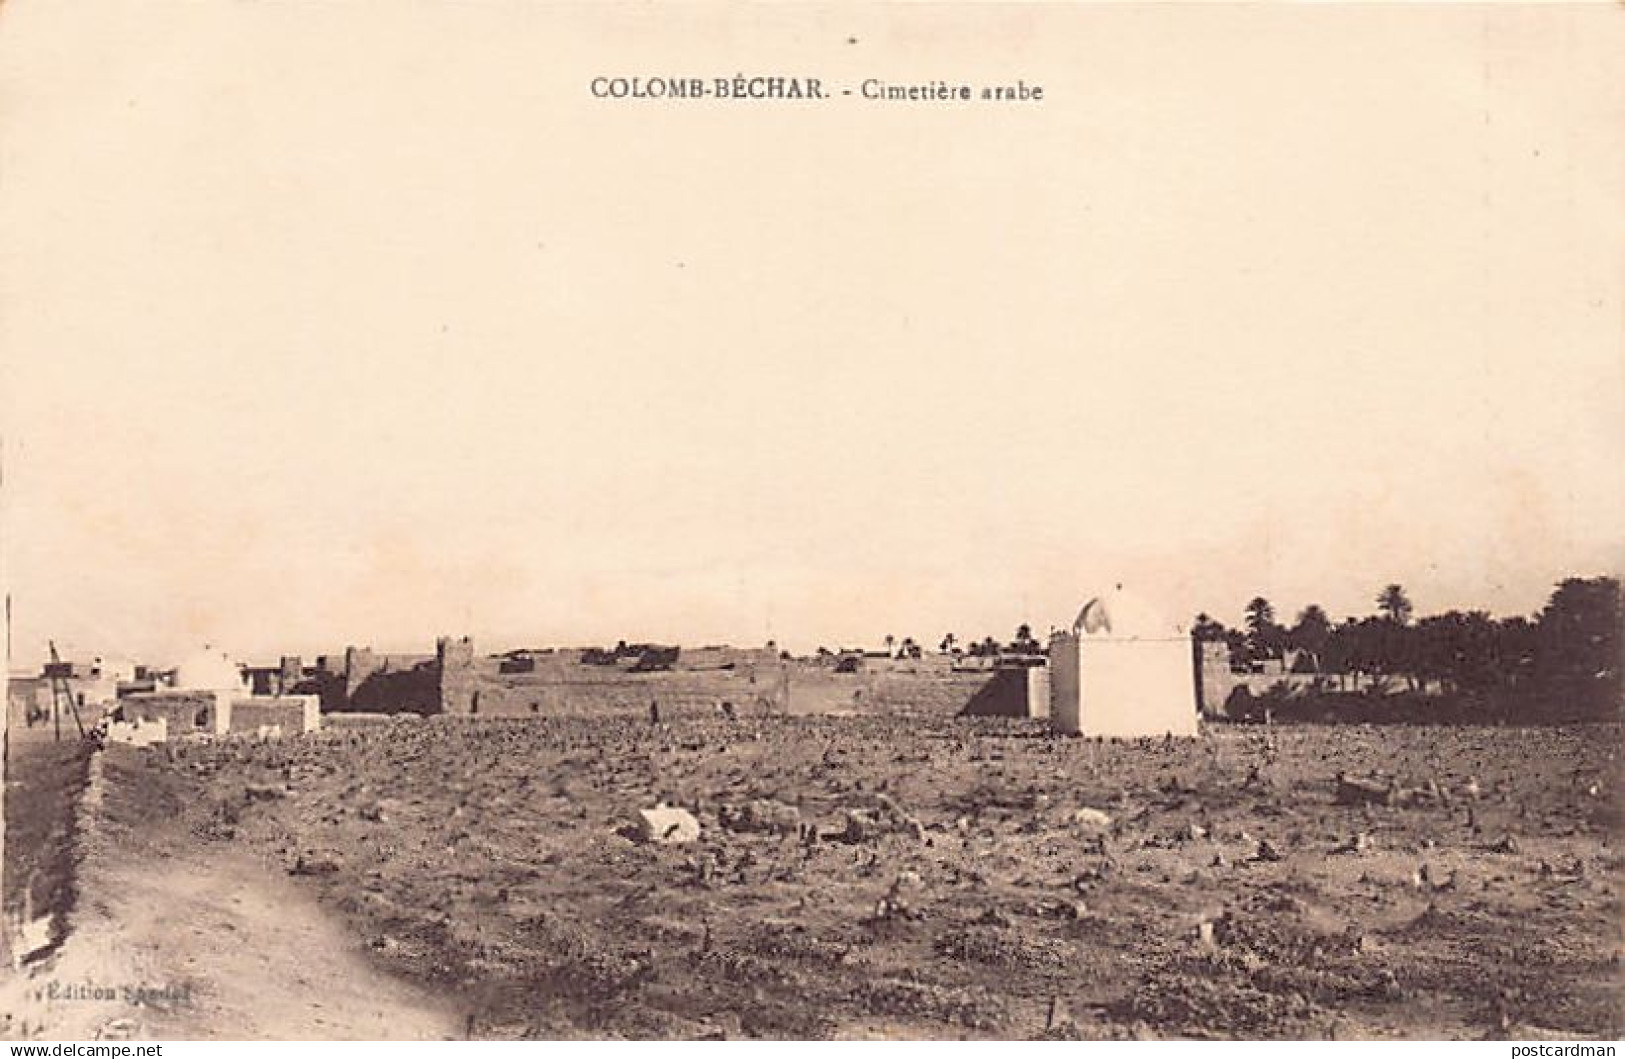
[
  {"x": 174, "y": 939},
  {"x": 855, "y": 877}
]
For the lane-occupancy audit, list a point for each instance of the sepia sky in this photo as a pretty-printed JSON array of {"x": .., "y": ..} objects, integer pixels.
[{"x": 358, "y": 323}]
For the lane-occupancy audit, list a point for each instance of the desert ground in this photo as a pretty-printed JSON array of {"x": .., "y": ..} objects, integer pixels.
[
  {"x": 908, "y": 875},
  {"x": 45, "y": 778}
]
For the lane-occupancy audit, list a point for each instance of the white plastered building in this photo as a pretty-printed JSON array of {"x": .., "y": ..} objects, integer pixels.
[{"x": 1122, "y": 671}]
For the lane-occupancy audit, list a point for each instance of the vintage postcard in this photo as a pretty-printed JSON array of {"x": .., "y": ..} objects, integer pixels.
[{"x": 817, "y": 521}]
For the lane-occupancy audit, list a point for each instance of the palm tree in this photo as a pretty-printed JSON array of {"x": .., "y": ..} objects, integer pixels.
[
  {"x": 1311, "y": 633},
  {"x": 1393, "y": 602},
  {"x": 1264, "y": 638},
  {"x": 1259, "y": 613}
]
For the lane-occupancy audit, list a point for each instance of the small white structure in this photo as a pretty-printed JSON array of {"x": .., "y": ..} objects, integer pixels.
[
  {"x": 209, "y": 670},
  {"x": 1122, "y": 672},
  {"x": 212, "y": 673},
  {"x": 138, "y": 732}
]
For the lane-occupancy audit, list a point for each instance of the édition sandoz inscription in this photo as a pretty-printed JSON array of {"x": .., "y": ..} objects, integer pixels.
[{"x": 737, "y": 87}]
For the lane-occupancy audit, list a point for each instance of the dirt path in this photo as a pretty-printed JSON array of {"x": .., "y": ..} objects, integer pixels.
[{"x": 230, "y": 950}]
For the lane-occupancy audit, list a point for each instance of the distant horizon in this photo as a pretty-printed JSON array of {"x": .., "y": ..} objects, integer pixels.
[
  {"x": 307, "y": 343},
  {"x": 929, "y": 643}
]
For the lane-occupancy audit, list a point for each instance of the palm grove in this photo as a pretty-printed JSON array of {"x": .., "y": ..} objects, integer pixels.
[{"x": 1562, "y": 662}]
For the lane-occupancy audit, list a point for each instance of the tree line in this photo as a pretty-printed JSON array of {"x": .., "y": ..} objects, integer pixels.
[{"x": 1571, "y": 648}]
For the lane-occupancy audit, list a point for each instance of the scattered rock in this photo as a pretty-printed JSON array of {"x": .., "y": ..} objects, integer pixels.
[
  {"x": 1058, "y": 1014},
  {"x": 1357, "y": 792},
  {"x": 1423, "y": 879},
  {"x": 762, "y": 816},
  {"x": 992, "y": 917},
  {"x": 667, "y": 824},
  {"x": 264, "y": 792},
  {"x": 1357, "y": 843},
  {"x": 907, "y": 881},
  {"x": 863, "y": 825},
  {"x": 1092, "y": 819},
  {"x": 317, "y": 862}
]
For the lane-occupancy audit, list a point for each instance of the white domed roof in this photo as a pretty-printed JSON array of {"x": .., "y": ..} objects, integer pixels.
[
  {"x": 1121, "y": 615},
  {"x": 208, "y": 670}
]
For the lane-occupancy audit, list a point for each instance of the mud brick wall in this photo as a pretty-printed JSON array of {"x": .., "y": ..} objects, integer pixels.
[
  {"x": 570, "y": 689},
  {"x": 927, "y": 690},
  {"x": 578, "y": 690},
  {"x": 459, "y": 683},
  {"x": 292, "y": 672},
  {"x": 185, "y": 712},
  {"x": 294, "y": 714},
  {"x": 23, "y": 694},
  {"x": 1214, "y": 681},
  {"x": 359, "y": 664},
  {"x": 414, "y": 690}
]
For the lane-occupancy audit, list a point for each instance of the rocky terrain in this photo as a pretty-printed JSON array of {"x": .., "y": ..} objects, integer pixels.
[
  {"x": 44, "y": 780},
  {"x": 918, "y": 875}
]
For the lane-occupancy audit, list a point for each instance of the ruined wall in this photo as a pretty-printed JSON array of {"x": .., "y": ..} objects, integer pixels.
[
  {"x": 327, "y": 685},
  {"x": 360, "y": 663},
  {"x": 458, "y": 690},
  {"x": 373, "y": 681},
  {"x": 415, "y": 690},
  {"x": 291, "y": 675}
]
